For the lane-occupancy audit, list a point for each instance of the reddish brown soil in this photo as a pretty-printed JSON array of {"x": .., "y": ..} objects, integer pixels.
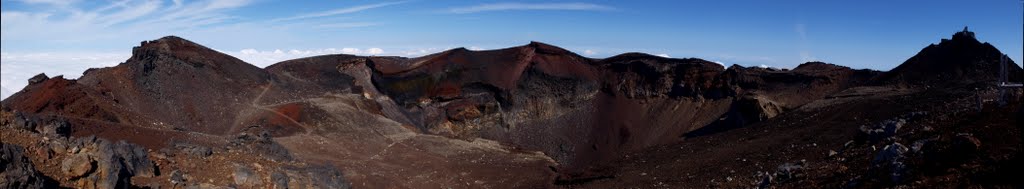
[{"x": 538, "y": 116}]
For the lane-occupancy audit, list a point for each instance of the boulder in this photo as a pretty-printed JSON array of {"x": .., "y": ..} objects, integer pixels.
[
  {"x": 56, "y": 128},
  {"x": 39, "y": 78},
  {"x": 16, "y": 170},
  {"x": 882, "y": 130},
  {"x": 177, "y": 177},
  {"x": 891, "y": 158},
  {"x": 195, "y": 150},
  {"x": 260, "y": 143},
  {"x": 789, "y": 171},
  {"x": 246, "y": 177},
  {"x": 889, "y": 153},
  {"x": 25, "y": 121},
  {"x": 279, "y": 179},
  {"x": 77, "y": 165},
  {"x": 116, "y": 163},
  {"x": 965, "y": 144}
]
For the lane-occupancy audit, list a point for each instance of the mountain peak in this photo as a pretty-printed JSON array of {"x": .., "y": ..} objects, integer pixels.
[
  {"x": 963, "y": 37},
  {"x": 545, "y": 48},
  {"x": 964, "y": 34},
  {"x": 183, "y": 49},
  {"x": 960, "y": 60},
  {"x": 171, "y": 43}
]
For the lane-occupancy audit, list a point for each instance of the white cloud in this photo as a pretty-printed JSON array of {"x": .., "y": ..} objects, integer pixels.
[
  {"x": 589, "y": 52},
  {"x": 351, "y": 50},
  {"x": 339, "y": 11},
  {"x": 347, "y": 25},
  {"x": 78, "y": 24},
  {"x": 806, "y": 56},
  {"x": 4, "y": 92},
  {"x": 131, "y": 12},
  {"x": 269, "y": 57},
  {"x": 50, "y": 2},
  {"x": 526, "y": 6},
  {"x": 663, "y": 55},
  {"x": 374, "y": 51},
  {"x": 16, "y": 68},
  {"x": 420, "y": 51},
  {"x": 772, "y": 67},
  {"x": 801, "y": 31}
]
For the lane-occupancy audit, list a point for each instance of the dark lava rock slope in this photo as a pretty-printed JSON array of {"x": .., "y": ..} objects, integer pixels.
[{"x": 463, "y": 118}]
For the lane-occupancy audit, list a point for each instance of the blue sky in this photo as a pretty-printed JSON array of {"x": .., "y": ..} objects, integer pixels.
[{"x": 68, "y": 36}]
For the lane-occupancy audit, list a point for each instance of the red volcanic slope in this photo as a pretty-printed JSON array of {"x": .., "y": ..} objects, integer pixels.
[
  {"x": 537, "y": 96},
  {"x": 576, "y": 110}
]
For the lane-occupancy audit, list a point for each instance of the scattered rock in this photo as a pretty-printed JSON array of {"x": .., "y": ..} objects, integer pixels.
[
  {"x": 766, "y": 180},
  {"x": 918, "y": 145},
  {"x": 789, "y": 171},
  {"x": 58, "y": 147},
  {"x": 17, "y": 171},
  {"x": 885, "y": 129},
  {"x": 246, "y": 177},
  {"x": 24, "y": 121},
  {"x": 261, "y": 143},
  {"x": 207, "y": 186},
  {"x": 195, "y": 150},
  {"x": 279, "y": 179},
  {"x": 57, "y": 128},
  {"x": 889, "y": 153},
  {"x": 965, "y": 144},
  {"x": 177, "y": 177},
  {"x": 892, "y": 157},
  {"x": 317, "y": 176}
]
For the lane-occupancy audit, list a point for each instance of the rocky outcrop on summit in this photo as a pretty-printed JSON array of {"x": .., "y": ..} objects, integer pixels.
[
  {"x": 152, "y": 81},
  {"x": 956, "y": 61}
]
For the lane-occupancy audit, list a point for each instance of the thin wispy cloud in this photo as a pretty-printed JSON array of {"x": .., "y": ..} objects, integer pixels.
[
  {"x": 529, "y": 6},
  {"x": 50, "y": 2},
  {"x": 346, "y": 25},
  {"x": 68, "y": 21},
  {"x": 801, "y": 31},
  {"x": 340, "y": 11}
]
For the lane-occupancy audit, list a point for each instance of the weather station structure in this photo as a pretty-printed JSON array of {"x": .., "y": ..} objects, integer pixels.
[{"x": 1004, "y": 85}]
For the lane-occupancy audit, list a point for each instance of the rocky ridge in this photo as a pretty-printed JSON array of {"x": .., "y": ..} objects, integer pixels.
[{"x": 556, "y": 117}]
